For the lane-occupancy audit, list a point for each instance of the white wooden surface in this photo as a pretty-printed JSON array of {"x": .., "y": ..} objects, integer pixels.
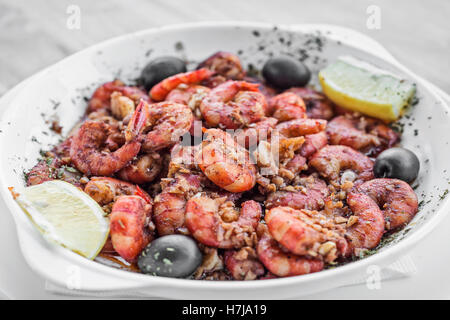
[{"x": 33, "y": 35}]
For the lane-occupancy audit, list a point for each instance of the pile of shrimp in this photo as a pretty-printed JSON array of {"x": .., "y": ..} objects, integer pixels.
[{"x": 257, "y": 209}]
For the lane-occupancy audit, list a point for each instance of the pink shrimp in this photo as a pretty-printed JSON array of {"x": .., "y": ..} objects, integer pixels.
[
  {"x": 301, "y": 127},
  {"x": 331, "y": 160},
  {"x": 225, "y": 64},
  {"x": 397, "y": 200},
  {"x": 233, "y": 105},
  {"x": 368, "y": 229},
  {"x": 204, "y": 219},
  {"x": 160, "y": 91},
  {"x": 162, "y": 124},
  {"x": 284, "y": 264},
  {"x": 255, "y": 132},
  {"x": 287, "y": 106},
  {"x": 313, "y": 143},
  {"x": 226, "y": 163},
  {"x": 101, "y": 99},
  {"x": 142, "y": 170},
  {"x": 129, "y": 231},
  {"x": 243, "y": 264},
  {"x": 317, "y": 105},
  {"x": 90, "y": 153},
  {"x": 53, "y": 168}
]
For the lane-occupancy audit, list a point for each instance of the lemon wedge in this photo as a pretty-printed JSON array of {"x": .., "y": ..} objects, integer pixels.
[
  {"x": 67, "y": 216},
  {"x": 362, "y": 87}
]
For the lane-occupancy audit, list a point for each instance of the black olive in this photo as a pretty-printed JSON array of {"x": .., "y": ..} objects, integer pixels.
[
  {"x": 398, "y": 163},
  {"x": 160, "y": 69},
  {"x": 174, "y": 256},
  {"x": 286, "y": 72}
]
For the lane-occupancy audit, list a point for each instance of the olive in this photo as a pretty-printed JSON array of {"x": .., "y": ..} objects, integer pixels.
[
  {"x": 161, "y": 68},
  {"x": 399, "y": 163},
  {"x": 174, "y": 256},
  {"x": 286, "y": 72}
]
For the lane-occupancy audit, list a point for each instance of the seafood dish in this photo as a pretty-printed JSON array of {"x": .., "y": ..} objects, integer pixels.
[{"x": 216, "y": 173}]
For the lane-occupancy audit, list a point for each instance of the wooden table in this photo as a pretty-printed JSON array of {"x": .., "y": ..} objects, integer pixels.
[{"x": 34, "y": 34}]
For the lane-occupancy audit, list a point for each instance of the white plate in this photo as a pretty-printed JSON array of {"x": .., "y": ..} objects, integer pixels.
[{"x": 62, "y": 82}]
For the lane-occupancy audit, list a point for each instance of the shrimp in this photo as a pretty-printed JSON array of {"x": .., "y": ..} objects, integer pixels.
[
  {"x": 160, "y": 91},
  {"x": 226, "y": 163},
  {"x": 301, "y": 127},
  {"x": 233, "y": 105},
  {"x": 142, "y": 170},
  {"x": 368, "y": 229},
  {"x": 53, "y": 168},
  {"x": 345, "y": 130},
  {"x": 243, "y": 264},
  {"x": 310, "y": 193},
  {"x": 282, "y": 263},
  {"x": 90, "y": 153},
  {"x": 101, "y": 99},
  {"x": 317, "y": 105},
  {"x": 129, "y": 230},
  {"x": 396, "y": 198},
  {"x": 105, "y": 191},
  {"x": 205, "y": 221},
  {"x": 287, "y": 106},
  {"x": 313, "y": 143},
  {"x": 162, "y": 124},
  {"x": 225, "y": 64},
  {"x": 255, "y": 132},
  {"x": 190, "y": 95},
  {"x": 331, "y": 160}
]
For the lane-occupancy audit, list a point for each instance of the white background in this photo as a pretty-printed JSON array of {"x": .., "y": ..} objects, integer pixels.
[{"x": 33, "y": 35}]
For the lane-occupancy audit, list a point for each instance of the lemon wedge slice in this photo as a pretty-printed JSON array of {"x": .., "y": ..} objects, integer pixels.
[
  {"x": 67, "y": 216},
  {"x": 360, "y": 86}
]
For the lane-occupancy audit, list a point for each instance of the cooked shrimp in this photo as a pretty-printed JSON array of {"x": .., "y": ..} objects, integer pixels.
[
  {"x": 310, "y": 194},
  {"x": 284, "y": 264},
  {"x": 301, "y": 127},
  {"x": 160, "y": 91},
  {"x": 53, "y": 168},
  {"x": 255, "y": 132},
  {"x": 89, "y": 155},
  {"x": 331, "y": 160},
  {"x": 287, "y": 106},
  {"x": 368, "y": 229},
  {"x": 317, "y": 105},
  {"x": 101, "y": 99},
  {"x": 243, "y": 264},
  {"x": 233, "y": 105},
  {"x": 190, "y": 95},
  {"x": 204, "y": 219},
  {"x": 162, "y": 124},
  {"x": 225, "y": 64},
  {"x": 396, "y": 198},
  {"x": 129, "y": 231},
  {"x": 313, "y": 143},
  {"x": 357, "y": 133},
  {"x": 226, "y": 163},
  {"x": 142, "y": 170}
]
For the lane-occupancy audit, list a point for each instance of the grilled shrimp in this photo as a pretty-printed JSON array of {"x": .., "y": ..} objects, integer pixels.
[
  {"x": 233, "y": 105},
  {"x": 160, "y": 91},
  {"x": 331, "y": 160},
  {"x": 313, "y": 143},
  {"x": 101, "y": 99},
  {"x": 190, "y": 95},
  {"x": 310, "y": 194},
  {"x": 162, "y": 124},
  {"x": 51, "y": 169},
  {"x": 255, "y": 132},
  {"x": 243, "y": 264},
  {"x": 225, "y": 162},
  {"x": 129, "y": 230},
  {"x": 205, "y": 221},
  {"x": 287, "y": 106},
  {"x": 301, "y": 127},
  {"x": 317, "y": 105},
  {"x": 225, "y": 64},
  {"x": 368, "y": 229},
  {"x": 282, "y": 263},
  {"x": 91, "y": 146},
  {"x": 142, "y": 170},
  {"x": 397, "y": 200},
  {"x": 361, "y": 134}
]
